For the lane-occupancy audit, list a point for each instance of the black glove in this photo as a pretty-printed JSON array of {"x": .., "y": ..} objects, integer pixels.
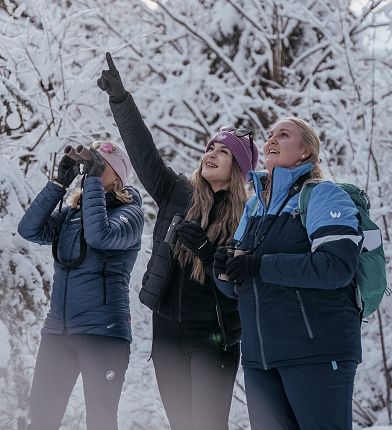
[
  {"x": 220, "y": 259},
  {"x": 243, "y": 267},
  {"x": 110, "y": 81},
  {"x": 96, "y": 166},
  {"x": 67, "y": 171},
  {"x": 195, "y": 239}
]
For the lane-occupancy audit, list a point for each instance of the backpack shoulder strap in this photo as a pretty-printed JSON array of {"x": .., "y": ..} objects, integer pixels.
[{"x": 304, "y": 198}]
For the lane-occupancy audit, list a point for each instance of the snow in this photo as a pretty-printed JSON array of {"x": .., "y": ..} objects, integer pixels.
[
  {"x": 192, "y": 67},
  {"x": 5, "y": 345}
]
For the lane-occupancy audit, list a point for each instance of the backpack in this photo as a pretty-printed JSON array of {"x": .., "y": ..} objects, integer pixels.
[{"x": 370, "y": 279}]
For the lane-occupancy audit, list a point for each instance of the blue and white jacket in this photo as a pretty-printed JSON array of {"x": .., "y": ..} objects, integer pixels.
[
  {"x": 301, "y": 308},
  {"x": 92, "y": 298}
]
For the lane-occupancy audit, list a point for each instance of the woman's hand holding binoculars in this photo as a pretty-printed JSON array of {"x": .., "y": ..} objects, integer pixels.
[
  {"x": 110, "y": 81},
  {"x": 69, "y": 166},
  {"x": 243, "y": 267},
  {"x": 192, "y": 236},
  {"x": 235, "y": 268},
  {"x": 67, "y": 171},
  {"x": 96, "y": 166}
]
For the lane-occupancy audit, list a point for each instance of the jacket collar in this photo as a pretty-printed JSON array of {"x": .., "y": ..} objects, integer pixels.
[{"x": 282, "y": 179}]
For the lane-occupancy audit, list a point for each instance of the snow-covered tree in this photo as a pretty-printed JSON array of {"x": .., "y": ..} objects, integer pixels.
[{"x": 192, "y": 67}]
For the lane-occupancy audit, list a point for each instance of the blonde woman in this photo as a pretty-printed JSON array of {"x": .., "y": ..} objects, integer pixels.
[
  {"x": 195, "y": 347},
  {"x": 87, "y": 331},
  {"x": 300, "y": 323}
]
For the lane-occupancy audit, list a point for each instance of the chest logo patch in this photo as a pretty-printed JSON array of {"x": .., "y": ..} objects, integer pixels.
[
  {"x": 123, "y": 218},
  {"x": 335, "y": 214}
]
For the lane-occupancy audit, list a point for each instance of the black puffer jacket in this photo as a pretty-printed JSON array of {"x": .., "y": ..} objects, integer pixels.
[{"x": 172, "y": 194}]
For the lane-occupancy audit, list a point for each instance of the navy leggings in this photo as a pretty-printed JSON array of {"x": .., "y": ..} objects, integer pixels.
[
  {"x": 102, "y": 361},
  {"x": 195, "y": 377},
  {"x": 301, "y": 397}
]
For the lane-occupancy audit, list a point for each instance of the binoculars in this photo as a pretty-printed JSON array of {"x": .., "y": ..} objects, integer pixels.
[
  {"x": 172, "y": 234},
  {"x": 80, "y": 153}
]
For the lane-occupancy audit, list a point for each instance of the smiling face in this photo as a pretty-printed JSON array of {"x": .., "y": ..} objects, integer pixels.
[
  {"x": 216, "y": 166},
  {"x": 285, "y": 146}
]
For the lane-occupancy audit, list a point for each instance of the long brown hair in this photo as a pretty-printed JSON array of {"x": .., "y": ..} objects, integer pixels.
[{"x": 228, "y": 214}]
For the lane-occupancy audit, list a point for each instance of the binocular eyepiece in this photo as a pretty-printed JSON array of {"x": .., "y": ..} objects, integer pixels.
[{"x": 80, "y": 153}]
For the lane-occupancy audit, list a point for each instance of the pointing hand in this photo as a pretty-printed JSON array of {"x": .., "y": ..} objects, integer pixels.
[{"x": 110, "y": 81}]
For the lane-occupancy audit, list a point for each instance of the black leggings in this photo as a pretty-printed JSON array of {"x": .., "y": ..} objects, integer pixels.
[
  {"x": 102, "y": 361},
  {"x": 195, "y": 377}
]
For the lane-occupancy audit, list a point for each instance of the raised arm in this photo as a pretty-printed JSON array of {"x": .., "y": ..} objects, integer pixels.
[{"x": 156, "y": 177}]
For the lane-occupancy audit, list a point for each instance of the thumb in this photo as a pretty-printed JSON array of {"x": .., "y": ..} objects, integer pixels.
[{"x": 102, "y": 84}]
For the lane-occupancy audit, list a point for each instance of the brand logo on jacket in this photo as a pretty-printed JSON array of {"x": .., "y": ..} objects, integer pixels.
[
  {"x": 123, "y": 218},
  {"x": 111, "y": 325},
  {"x": 110, "y": 374},
  {"x": 335, "y": 214}
]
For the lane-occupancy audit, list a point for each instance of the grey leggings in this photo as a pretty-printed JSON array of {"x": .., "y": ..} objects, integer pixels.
[{"x": 102, "y": 361}]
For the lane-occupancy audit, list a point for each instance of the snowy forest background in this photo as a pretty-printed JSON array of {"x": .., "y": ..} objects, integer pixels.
[{"x": 192, "y": 66}]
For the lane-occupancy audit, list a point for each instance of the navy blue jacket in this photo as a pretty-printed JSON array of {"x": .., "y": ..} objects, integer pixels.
[
  {"x": 94, "y": 297},
  {"x": 301, "y": 308}
]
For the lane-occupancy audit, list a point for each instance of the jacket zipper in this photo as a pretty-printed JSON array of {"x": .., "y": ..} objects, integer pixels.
[
  {"x": 304, "y": 314},
  {"x": 261, "y": 343},
  {"x": 164, "y": 289},
  {"x": 262, "y": 352},
  {"x": 66, "y": 287},
  {"x": 179, "y": 303},
  {"x": 104, "y": 283}
]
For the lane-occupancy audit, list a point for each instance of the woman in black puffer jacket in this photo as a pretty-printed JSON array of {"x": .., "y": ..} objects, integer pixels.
[{"x": 195, "y": 356}]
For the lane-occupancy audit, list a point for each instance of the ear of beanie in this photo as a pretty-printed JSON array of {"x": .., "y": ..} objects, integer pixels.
[{"x": 241, "y": 149}]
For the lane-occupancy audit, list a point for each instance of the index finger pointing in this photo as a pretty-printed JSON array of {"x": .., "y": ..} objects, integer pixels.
[{"x": 110, "y": 62}]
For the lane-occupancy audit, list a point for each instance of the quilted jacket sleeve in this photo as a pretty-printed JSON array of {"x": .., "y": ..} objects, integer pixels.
[
  {"x": 39, "y": 222},
  {"x": 120, "y": 229}
]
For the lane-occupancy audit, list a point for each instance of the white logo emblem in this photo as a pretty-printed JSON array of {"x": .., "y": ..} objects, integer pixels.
[
  {"x": 110, "y": 375},
  {"x": 123, "y": 218},
  {"x": 111, "y": 325},
  {"x": 335, "y": 214}
]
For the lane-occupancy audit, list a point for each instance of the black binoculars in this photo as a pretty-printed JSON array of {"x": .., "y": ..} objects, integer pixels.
[
  {"x": 80, "y": 153},
  {"x": 172, "y": 234}
]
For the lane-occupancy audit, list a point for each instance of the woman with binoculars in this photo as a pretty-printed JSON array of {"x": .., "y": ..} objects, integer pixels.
[
  {"x": 195, "y": 347},
  {"x": 300, "y": 321},
  {"x": 95, "y": 242}
]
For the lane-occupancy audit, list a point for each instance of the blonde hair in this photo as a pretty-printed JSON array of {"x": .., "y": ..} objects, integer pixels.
[
  {"x": 312, "y": 143},
  {"x": 120, "y": 192},
  {"x": 228, "y": 214}
]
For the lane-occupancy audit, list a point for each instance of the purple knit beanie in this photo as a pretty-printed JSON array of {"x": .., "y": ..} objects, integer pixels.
[
  {"x": 117, "y": 158},
  {"x": 241, "y": 149}
]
